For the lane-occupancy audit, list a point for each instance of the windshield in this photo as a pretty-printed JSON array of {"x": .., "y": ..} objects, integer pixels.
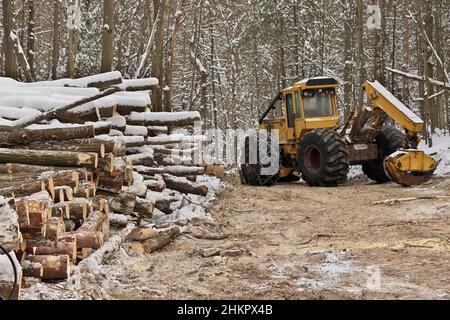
[{"x": 318, "y": 103}]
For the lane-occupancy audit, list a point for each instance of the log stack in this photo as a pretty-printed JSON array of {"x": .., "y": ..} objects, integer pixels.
[{"x": 95, "y": 157}]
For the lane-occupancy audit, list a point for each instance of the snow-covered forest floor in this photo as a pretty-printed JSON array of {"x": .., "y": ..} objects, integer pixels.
[{"x": 291, "y": 242}]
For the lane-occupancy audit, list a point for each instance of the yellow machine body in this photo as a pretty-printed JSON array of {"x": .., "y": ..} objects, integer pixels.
[{"x": 300, "y": 114}]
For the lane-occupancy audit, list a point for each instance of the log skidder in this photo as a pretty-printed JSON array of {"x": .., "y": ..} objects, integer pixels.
[{"x": 315, "y": 145}]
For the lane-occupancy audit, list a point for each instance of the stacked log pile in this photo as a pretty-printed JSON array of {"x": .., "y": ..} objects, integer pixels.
[{"x": 80, "y": 156}]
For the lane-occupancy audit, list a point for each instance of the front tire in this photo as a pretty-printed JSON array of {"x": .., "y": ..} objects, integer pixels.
[{"x": 323, "y": 158}]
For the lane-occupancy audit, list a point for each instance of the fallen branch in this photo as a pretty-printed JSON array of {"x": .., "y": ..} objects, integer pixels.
[{"x": 402, "y": 200}]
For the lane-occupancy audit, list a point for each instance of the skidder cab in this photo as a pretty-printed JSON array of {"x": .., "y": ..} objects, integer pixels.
[{"x": 314, "y": 146}]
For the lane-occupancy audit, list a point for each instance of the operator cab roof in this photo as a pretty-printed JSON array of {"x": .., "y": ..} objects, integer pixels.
[{"x": 314, "y": 83}]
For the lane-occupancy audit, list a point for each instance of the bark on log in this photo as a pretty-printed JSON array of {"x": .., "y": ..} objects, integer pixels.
[
  {"x": 140, "y": 234},
  {"x": 118, "y": 220},
  {"x": 109, "y": 183},
  {"x": 185, "y": 186},
  {"x": 161, "y": 240},
  {"x": 175, "y": 119},
  {"x": 94, "y": 222},
  {"x": 144, "y": 208},
  {"x": 156, "y": 185},
  {"x": 32, "y": 270},
  {"x": 58, "y": 248},
  {"x": 25, "y": 137},
  {"x": 86, "y": 190},
  {"x": 157, "y": 130},
  {"x": 123, "y": 202},
  {"x": 55, "y": 158},
  {"x": 85, "y": 239},
  {"x": 104, "y": 253},
  {"x": 55, "y": 267},
  {"x": 54, "y": 227},
  {"x": 98, "y": 148},
  {"x": 100, "y": 203},
  {"x": 178, "y": 171},
  {"x": 106, "y": 164}
]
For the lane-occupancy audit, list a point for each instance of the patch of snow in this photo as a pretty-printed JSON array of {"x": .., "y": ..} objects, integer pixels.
[{"x": 440, "y": 152}]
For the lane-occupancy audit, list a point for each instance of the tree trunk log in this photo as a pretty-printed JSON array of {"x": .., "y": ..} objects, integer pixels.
[
  {"x": 25, "y": 137},
  {"x": 32, "y": 270},
  {"x": 55, "y": 267},
  {"x": 161, "y": 240},
  {"x": 61, "y": 248},
  {"x": 185, "y": 186},
  {"x": 175, "y": 119},
  {"x": 55, "y": 158},
  {"x": 86, "y": 239},
  {"x": 140, "y": 234},
  {"x": 178, "y": 171},
  {"x": 123, "y": 203},
  {"x": 144, "y": 208}
]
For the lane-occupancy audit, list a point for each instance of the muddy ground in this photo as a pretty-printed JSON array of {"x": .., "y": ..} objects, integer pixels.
[{"x": 295, "y": 242}]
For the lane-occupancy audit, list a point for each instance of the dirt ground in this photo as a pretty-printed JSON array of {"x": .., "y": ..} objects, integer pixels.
[{"x": 295, "y": 242}]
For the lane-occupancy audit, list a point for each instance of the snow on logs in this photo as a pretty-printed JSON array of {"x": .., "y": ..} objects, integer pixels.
[{"x": 175, "y": 119}]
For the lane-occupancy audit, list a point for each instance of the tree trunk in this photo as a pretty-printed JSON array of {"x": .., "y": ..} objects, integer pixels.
[
  {"x": 31, "y": 48},
  {"x": 85, "y": 239},
  {"x": 73, "y": 41},
  {"x": 184, "y": 186},
  {"x": 32, "y": 270},
  {"x": 47, "y": 158},
  {"x": 8, "y": 27},
  {"x": 108, "y": 35},
  {"x": 24, "y": 136},
  {"x": 158, "y": 55},
  {"x": 55, "y": 39},
  {"x": 55, "y": 267},
  {"x": 171, "y": 57}
]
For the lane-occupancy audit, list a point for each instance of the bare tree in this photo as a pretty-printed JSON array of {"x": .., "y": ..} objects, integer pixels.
[
  {"x": 108, "y": 35},
  {"x": 10, "y": 59}
]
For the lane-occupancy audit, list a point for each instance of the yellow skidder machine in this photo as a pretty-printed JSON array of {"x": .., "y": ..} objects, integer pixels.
[{"x": 314, "y": 146}]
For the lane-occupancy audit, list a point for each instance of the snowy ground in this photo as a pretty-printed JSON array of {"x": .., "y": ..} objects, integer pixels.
[{"x": 441, "y": 152}]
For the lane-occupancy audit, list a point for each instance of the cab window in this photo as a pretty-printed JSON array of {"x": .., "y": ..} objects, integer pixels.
[
  {"x": 290, "y": 110},
  {"x": 297, "y": 105},
  {"x": 318, "y": 103}
]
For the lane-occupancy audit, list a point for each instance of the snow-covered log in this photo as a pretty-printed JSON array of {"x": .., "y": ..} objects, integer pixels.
[
  {"x": 102, "y": 80},
  {"x": 175, "y": 119},
  {"x": 185, "y": 186},
  {"x": 146, "y": 84},
  {"x": 179, "y": 171},
  {"x": 46, "y": 133}
]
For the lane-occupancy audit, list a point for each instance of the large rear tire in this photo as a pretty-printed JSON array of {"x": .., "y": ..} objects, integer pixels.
[
  {"x": 323, "y": 158},
  {"x": 389, "y": 140}
]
